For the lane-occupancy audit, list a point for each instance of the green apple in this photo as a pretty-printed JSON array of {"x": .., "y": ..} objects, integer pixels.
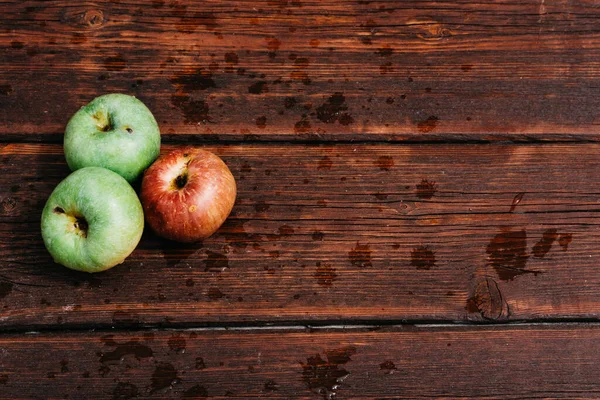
[
  {"x": 92, "y": 221},
  {"x": 114, "y": 131}
]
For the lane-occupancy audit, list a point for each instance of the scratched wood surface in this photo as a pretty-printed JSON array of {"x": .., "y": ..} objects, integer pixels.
[
  {"x": 308, "y": 70},
  {"x": 333, "y": 233},
  {"x": 412, "y": 362}
]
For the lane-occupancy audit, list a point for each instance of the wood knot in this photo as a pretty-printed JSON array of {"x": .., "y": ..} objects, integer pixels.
[
  {"x": 86, "y": 19},
  {"x": 93, "y": 18},
  {"x": 8, "y": 205},
  {"x": 487, "y": 300},
  {"x": 434, "y": 32},
  {"x": 428, "y": 29},
  {"x": 405, "y": 207}
]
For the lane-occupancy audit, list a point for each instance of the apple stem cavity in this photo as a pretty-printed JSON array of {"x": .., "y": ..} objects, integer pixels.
[
  {"x": 104, "y": 121},
  {"x": 181, "y": 180},
  {"x": 81, "y": 226}
]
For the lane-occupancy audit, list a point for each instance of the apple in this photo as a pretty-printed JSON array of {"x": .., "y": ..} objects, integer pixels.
[
  {"x": 114, "y": 131},
  {"x": 187, "y": 194},
  {"x": 92, "y": 220}
]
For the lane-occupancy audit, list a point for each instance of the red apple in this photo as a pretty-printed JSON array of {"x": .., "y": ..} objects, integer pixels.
[{"x": 187, "y": 194}]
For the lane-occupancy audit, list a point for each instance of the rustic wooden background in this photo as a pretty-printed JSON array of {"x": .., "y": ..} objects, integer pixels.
[{"x": 417, "y": 210}]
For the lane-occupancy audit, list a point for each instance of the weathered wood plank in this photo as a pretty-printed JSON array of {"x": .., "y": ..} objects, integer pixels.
[
  {"x": 559, "y": 361},
  {"x": 333, "y": 233},
  {"x": 318, "y": 70}
]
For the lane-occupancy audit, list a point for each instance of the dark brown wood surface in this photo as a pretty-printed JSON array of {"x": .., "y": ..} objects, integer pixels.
[
  {"x": 352, "y": 266},
  {"x": 308, "y": 70},
  {"x": 334, "y": 233},
  {"x": 401, "y": 363}
]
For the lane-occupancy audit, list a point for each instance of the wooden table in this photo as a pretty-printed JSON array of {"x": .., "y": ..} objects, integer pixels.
[{"x": 417, "y": 210}]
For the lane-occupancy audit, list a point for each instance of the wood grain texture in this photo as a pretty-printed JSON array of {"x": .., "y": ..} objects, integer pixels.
[
  {"x": 402, "y": 363},
  {"x": 333, "y": 233},
  {"x": 308, "y": 70}
]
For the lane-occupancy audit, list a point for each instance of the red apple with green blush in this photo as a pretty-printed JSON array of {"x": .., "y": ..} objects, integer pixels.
[{"x": 187, "y": 194}]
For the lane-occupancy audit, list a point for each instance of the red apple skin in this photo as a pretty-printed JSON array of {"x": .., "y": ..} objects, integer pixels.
[{"x": 187, "y": 194}]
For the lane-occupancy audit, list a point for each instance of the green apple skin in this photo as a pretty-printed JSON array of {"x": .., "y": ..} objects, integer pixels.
[
  {"x": 92, "y": 220},
  {"x": 114, "y": 131}
]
